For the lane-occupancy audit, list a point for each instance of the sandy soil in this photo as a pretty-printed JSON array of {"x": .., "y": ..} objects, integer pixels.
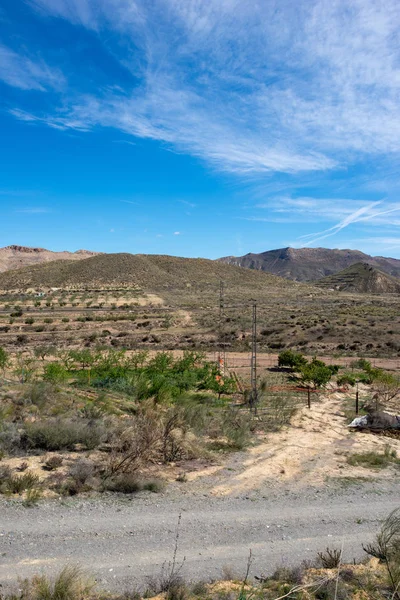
[{"x": 310, "y": 452}]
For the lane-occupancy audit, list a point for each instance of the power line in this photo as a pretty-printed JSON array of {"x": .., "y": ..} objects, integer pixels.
[
  {"x": 221, "y": 348},
  {"x": 253, "y": 364}
]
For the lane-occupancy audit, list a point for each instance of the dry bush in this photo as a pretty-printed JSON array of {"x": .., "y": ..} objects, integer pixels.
[
  {"x": 57, "y": 482},
  {"x": 152, "y": 435},
  {"x": 330, "y": 559},
  {"x": 82, "y": 470},
  {"x": 23, "y": 466},
  {"x": 40, "y": 394},
  {"x": 130, "y": 483},
  {"x": 124, "y": 483},
  {"x": 230, "y": 430},
  {"x": 63, "y": 434},
  {"x": 387, "y": 548},
  {"x": 10, "y": 438},
  {"x": 69, "y": 584},
  {"x": 292, "y": 575},
  {"x": 17, "y": 484},
  {"x": 53, "y": 462},
  {"x": 5, "y": 473},
  {"x": 178, "y": 442},
  {"x": 135, "y": 445},
  {"x": 170, "y": 580}
]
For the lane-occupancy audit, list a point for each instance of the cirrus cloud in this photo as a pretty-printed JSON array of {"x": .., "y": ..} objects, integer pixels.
[{"x": 251, "y": 88}]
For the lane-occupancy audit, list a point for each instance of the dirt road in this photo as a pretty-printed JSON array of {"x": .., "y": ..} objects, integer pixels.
[{"x": 121, "y": 541}]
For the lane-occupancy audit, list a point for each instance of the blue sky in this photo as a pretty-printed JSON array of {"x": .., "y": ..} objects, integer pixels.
[{"x": 200, "y": 127}]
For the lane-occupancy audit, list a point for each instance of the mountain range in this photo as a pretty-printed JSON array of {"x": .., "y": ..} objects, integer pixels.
[
  {"x": 340, "y": 270},
  {"x": 311, "y": 264},
  {"x": 15, "y": 257}
]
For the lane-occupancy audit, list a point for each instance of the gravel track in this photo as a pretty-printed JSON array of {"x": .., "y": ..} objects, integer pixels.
[{"x": 122, "y": 541}]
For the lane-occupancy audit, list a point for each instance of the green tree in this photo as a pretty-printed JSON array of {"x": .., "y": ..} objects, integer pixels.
[
  {"x": 25, "y": 367},
  {"x": 86, "y": 359},
  {"x": 288, "y": 358},
  {"x": 43, "y": 351},
  {"x": 55, "y": 373},
  {"x": 4, "y": 360},
  {"x": 316, "y": 374}
]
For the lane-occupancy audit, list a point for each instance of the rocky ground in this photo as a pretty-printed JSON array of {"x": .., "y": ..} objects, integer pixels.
[
  {"x": 123, "y": 541},
  {"x": 286, "y": 498}
]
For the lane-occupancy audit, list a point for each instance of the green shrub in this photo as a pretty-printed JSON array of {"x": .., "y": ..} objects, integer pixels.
[
  {"x": 236, "y": 428},
  {"x": 288, "y": 358},
  {"x": 17, "y": 484},
  {"x": 374, "y": 460},
  {"x": 4, "y": 359},
  {"x": 362, "y": 364},
  {"x": 346, "y": 379},
  {"x": 55, "y": 373},
  {"x": 33, "y": 495}
]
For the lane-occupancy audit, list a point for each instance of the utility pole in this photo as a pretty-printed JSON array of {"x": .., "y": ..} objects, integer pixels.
[
  {"x": 253, "y": 364},
  {"x": 221, "y": 348},
  {"x": 357, "y": 399}
]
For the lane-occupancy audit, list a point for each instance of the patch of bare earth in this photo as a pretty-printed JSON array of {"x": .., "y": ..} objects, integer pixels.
[{"x": 312, "y": 451}]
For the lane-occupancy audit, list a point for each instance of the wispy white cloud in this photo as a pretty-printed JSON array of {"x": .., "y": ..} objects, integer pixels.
[
  {"x": 343, "y": 212},
  {"x": 21, "y": 71},
  {"x": 124, "y": 142},
  {"x": 177, "y": 233},
  {"x": 272, "y": 86},
  {"x": 187, "y": 203},
  {"x": 35, "y": 210},
  {"x": 309, "y": 209},
  {"x": 363, "y": 213}
]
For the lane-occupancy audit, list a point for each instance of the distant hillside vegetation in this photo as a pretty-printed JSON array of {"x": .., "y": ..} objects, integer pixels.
[
  {"x": 362, "y": 278},
  {"x": 16, "y": 257},
  {"x": 310, "y": 264},
  {"x": 148, "y": 272}
]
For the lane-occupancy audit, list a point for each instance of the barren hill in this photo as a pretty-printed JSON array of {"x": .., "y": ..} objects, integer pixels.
[
  {"x": 363, "y": 278},
  {"x": 148, "y": 272},
  {"x": 310, "y": 264},
  {"x": 15, "y": 257}
]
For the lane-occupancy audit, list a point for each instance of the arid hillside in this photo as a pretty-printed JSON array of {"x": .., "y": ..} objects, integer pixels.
[
  {"x": 16, "y": 257},
  {"x": 310, "y": 264},
  {"x": 154, "y": 273},
  {"x": 362, "y": 278},
  {"x": 149, "y": 301}
]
